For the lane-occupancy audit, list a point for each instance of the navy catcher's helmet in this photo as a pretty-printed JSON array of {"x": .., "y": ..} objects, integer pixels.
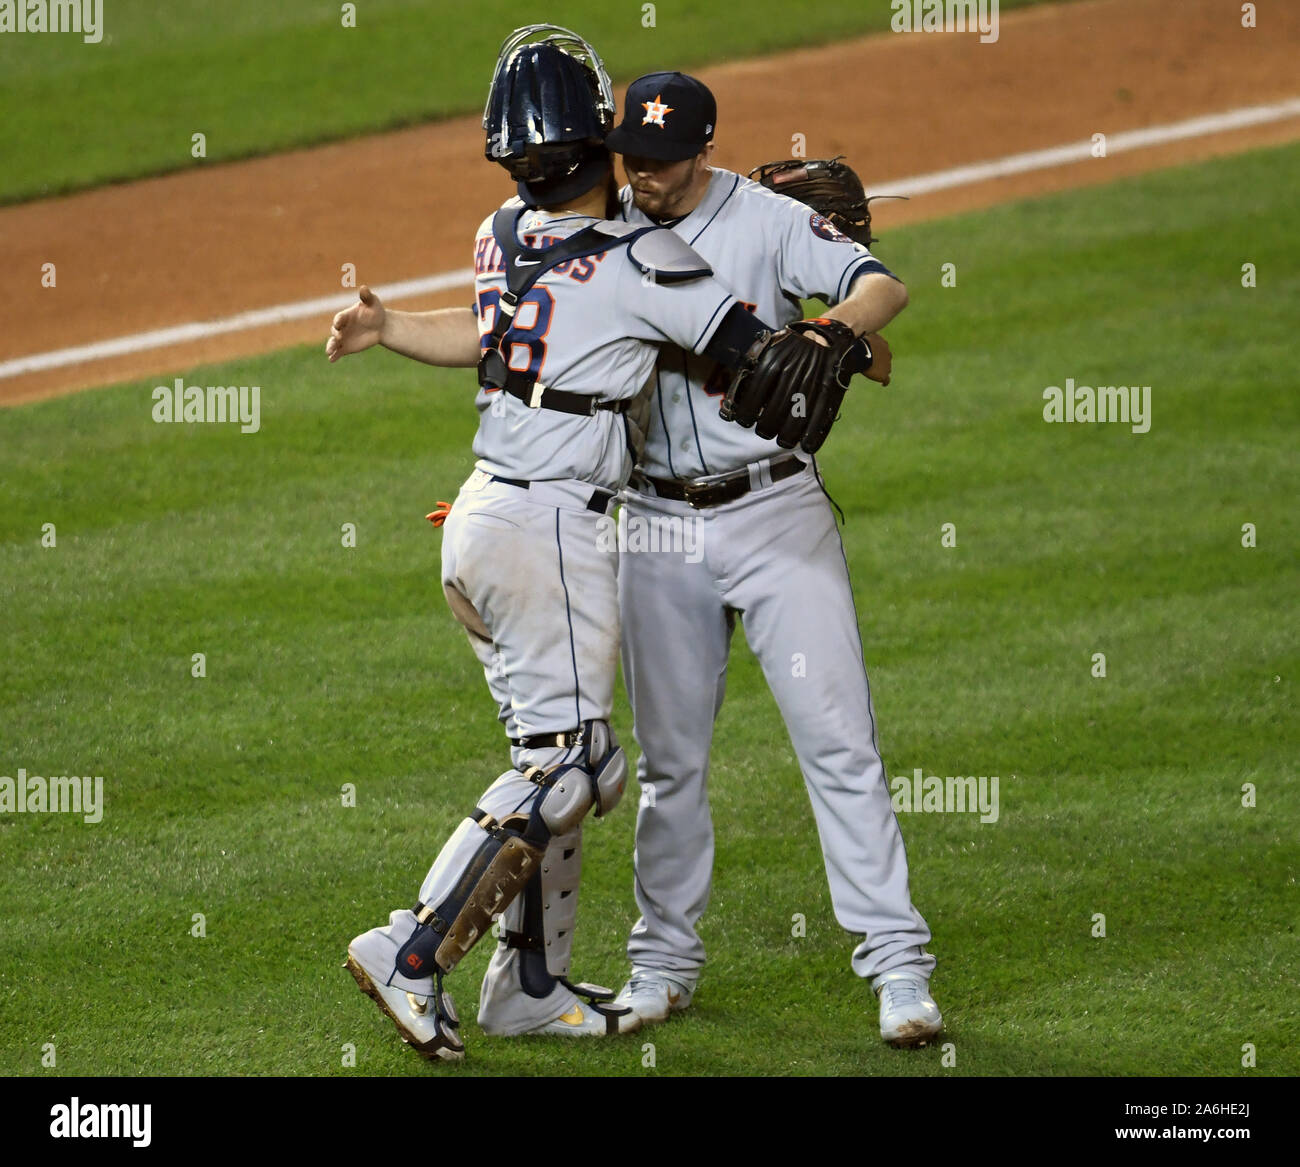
[{"x": 548, "y": 111}]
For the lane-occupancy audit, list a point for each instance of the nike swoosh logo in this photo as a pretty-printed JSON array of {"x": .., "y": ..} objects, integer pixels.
[
  {"x": 673, "y": 998},
  {"x": 526, "y": 262}
]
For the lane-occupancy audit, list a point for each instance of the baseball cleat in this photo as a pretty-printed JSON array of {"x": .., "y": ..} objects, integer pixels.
[
  {"x": 590, "y": 1020},
  {"x": 427, "y": 1024},
  {"x": 653, "y": 996},
  {"x": 909, "y": 1018}
]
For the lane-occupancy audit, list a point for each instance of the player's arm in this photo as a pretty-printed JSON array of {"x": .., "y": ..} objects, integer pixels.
[
  {"x": 446, "y": 336},
  {"x": 873, "y": 301},
  {"x": 817, "y": 261},
  {"x": 678, "y": 299}
]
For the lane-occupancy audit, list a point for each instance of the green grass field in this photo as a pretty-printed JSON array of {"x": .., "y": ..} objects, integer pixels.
[
  {"x": 328, "y": 665},
  {"x": 256, "y": 77}
]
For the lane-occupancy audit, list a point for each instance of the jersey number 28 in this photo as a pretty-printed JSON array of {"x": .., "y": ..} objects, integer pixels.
[{"x": 527, "y": 331}]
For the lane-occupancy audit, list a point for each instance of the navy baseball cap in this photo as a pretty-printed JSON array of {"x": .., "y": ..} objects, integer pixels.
[{"x": 667, "y": 116}]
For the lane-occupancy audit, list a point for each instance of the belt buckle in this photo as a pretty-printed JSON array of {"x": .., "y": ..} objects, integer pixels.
[{"x": 694, "y": 491}]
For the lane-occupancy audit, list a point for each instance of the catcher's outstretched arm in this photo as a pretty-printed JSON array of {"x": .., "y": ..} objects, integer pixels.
[{"x": 446, "y": 336}]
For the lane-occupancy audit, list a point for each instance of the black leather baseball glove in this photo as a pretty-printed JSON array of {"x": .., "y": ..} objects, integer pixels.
[{"x": 789, "y": 387}]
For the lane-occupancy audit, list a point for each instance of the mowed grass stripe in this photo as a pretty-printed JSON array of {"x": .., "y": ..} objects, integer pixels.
[{"x": 1119, "y": 796}]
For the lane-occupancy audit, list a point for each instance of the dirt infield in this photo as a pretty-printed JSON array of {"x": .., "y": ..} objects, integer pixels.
[{"x": 215, "y": 241}]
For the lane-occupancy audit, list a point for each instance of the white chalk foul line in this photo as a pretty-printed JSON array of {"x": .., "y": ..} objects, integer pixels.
[
  {"x": 1233, "y": 119},
  {"x": 202, "y": 329},
  {"x": 1216, "y": 123}
]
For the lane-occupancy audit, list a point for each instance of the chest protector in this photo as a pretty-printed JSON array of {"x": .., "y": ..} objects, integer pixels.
[{"x": 524, "y": 266}]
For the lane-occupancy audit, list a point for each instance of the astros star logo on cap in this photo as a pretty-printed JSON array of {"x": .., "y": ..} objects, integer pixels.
[{"x": 655, "y": 111}]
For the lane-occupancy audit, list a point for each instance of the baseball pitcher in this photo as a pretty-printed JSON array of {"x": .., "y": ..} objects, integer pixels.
[{"x": 772, "y": 558}]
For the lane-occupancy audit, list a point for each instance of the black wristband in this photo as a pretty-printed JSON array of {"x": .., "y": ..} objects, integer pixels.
[
  {"x": 734, "y": 336},
  {"x": 859, "y": 358}
]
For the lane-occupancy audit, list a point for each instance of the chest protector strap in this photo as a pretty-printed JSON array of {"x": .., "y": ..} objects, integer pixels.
[{"x": 524, "y": 266}]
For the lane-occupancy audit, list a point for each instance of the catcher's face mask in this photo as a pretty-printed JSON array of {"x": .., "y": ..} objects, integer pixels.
[{"x": 549, "y": 104}]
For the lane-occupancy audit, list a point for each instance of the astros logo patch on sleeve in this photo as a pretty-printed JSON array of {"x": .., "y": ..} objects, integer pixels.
[{"x": 823, "y": 228}]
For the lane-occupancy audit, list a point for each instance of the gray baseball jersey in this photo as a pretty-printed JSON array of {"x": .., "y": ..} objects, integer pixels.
[
  {"x": 774, "y": 252},
  {"x": 591, "y": 325}
]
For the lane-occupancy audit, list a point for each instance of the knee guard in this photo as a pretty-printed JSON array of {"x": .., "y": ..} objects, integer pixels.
[
  {"x": 609, "y": 776},
  {"x": 597, "y": 778}
]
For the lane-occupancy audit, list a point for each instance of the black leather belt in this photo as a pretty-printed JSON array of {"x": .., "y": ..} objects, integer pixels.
[
  {"x": 725, "y": 488},
  {"x": 598, "y": 502},
  {"x": 563, "y": 741},
  {"x": 583, "y": 404},
  {"x": 493, "y": 374}
]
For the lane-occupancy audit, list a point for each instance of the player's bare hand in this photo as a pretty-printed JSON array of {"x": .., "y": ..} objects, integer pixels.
[
  {"x": 882, "y": 360},
  {"x": 357, "y": 328}
]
